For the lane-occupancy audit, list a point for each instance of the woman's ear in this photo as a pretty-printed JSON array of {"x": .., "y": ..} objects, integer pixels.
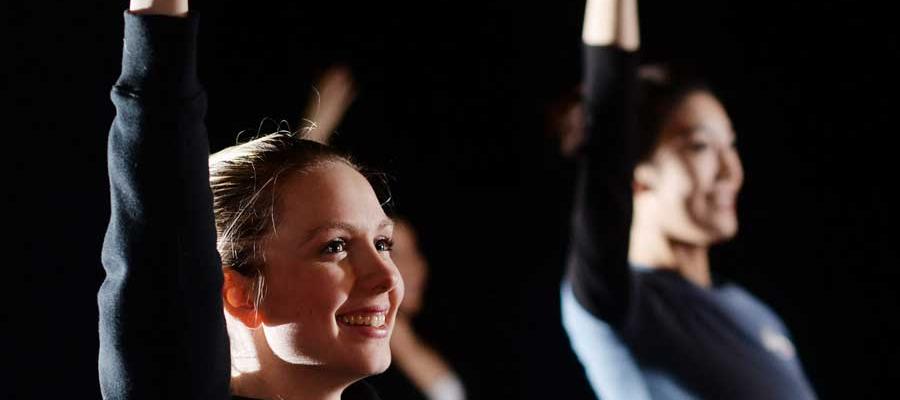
[
  {"x": 238, "y": 298},
  {"x": 644, "y": 177}
]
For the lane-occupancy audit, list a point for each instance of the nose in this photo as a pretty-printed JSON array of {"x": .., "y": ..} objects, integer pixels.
[
  {"x": 730, "y": 168},
  {"x": 377, "y": 274}
]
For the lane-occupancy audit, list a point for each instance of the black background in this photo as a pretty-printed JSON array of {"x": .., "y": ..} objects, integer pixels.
[{"x": 452, "y": 104}]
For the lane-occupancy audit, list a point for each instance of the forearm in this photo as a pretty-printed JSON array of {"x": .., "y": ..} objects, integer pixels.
[
  {"x": 598, "y": 256},
  {"x": 331, "y": 97},
  {"x": 162, "y": 332},
  {"x": 418, "y": 361},
  {"x": 423, "y": 366}
]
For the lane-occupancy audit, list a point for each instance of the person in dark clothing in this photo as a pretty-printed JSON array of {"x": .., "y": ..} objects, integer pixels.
[
  {"x": 419, "y": 370},
  {"x": 641, "y": 308},
  {"x": 284, "y": 234}
]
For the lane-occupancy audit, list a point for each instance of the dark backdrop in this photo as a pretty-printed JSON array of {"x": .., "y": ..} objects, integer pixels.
[{"x": 452, "y": 105}]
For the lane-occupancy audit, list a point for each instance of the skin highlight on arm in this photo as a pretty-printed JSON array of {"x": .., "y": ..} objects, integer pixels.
[
  {"x": 172, "y": 8},
  {"x": 611, "y": 23}
]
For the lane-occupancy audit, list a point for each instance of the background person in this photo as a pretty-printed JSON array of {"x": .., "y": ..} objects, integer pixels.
[{"x": 644, "y": 313}]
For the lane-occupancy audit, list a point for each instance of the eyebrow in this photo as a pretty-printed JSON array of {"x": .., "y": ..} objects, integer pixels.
[
  {"x": 710, "y": 130},
  {"x": 344, "y": 226}
]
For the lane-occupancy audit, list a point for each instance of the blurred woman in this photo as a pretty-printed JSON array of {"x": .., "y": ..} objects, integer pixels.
[
  {"x": 644, "y": 313},
  {"x": 416, "y": 362}
]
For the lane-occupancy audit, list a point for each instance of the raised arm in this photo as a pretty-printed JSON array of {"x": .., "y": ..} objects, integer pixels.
[
  {"x": 598, "y": 267},
  {"x": 162, "y": 331},
  {"x": 332, "y": 95}
]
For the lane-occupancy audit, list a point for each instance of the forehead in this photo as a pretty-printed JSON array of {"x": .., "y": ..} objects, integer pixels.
[
  {"x": 403, "y": 231},
  {"x": 699, "y": 113},
  {"x": 332, "y": 193}
]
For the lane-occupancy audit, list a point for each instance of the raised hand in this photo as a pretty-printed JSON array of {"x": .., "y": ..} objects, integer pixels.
[
  {"x": 173, "y": 8},
  {"x": 611, "y": 23},
  {"x": 333, "y": 94}
]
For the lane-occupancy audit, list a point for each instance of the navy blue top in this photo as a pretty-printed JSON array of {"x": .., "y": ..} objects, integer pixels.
[
  {"x": 162, "y": 328},
  {"x": 717, "y": 342}
]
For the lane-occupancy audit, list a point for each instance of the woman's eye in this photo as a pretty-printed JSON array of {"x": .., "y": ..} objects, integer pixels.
[
  {"x": 697, "y": 147},
  {"x": 335, "y": 246},
  {"x": 384, "y": 244}
]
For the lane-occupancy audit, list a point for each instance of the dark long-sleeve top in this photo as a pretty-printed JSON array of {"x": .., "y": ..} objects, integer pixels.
[
  {"x": 162, "y": 328},
  {"x": 717, "y": 342}
]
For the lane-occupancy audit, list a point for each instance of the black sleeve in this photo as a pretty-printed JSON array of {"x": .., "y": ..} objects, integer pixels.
[
  {"x": 360, "y": 390},
  {"x": 162, "y": 330},
  {"x": 598, "y": 267}
]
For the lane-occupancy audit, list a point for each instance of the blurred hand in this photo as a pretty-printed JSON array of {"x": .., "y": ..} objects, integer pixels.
[
  {"x": 332, "y": 96},
  {"x": 565, "y": 120}
]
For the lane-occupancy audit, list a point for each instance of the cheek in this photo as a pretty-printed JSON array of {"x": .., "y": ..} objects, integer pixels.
[
  {"x": 683, "y": 200},
  {"x": 676, "y": 184},
  {"x": 691, "y": 183},
  {"x": 324, "y": 289},
  {"x": 300, "y": 325},
  {"x": 703, "y": 169},
  {"x": 309, "y": 294},
  {"x": 398, "y": 293}
]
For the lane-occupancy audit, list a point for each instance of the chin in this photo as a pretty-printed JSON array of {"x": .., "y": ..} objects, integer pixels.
[
  {"x": 726, "y": 229},
  {"x": 372, "y": 364},
  {"x": 383, "y": 366},
  {"x": 381, "y": 363}
]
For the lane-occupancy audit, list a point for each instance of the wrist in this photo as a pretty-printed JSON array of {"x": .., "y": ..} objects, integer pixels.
[{"x": 172, "y": 8}]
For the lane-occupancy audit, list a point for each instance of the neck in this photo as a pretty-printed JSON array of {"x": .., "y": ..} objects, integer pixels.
[
  {"x": 277, "y": 379},
  {"x": 649, "y": 246}
]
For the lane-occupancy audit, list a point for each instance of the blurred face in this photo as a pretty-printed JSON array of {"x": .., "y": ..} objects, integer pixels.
[
  {"x": 695, "y": 174},
  {"x": 412, "y": 265},
  {"x": 332, "y": 290}
]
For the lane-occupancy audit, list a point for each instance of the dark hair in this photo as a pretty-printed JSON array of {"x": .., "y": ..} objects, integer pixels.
[
  {"x": 660, "y": 90},
  {"x": 245, "y": 184}
]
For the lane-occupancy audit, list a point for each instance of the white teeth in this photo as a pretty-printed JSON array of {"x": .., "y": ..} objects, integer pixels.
[{"x": 375, "y": 320}]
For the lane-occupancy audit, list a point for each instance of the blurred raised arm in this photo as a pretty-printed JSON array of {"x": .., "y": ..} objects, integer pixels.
[
  {"x": 611, "y": 23},
  {"x": 332, "y": 96},
  {"x": 598, "y": 269}
]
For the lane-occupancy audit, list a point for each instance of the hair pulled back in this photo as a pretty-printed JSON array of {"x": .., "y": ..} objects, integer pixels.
[
  {"x": 245, "y": 184},
  {"x": 661, "y": 89}
]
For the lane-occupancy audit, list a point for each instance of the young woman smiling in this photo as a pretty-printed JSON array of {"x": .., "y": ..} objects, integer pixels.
[{"x": 283, "y": 234}]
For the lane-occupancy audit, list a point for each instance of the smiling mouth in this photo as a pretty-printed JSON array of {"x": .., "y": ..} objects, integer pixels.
[{"x": 374, "y": 320}]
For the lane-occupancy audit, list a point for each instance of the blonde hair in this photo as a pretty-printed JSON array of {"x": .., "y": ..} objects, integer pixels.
[{"x": 245, "y": 183}]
